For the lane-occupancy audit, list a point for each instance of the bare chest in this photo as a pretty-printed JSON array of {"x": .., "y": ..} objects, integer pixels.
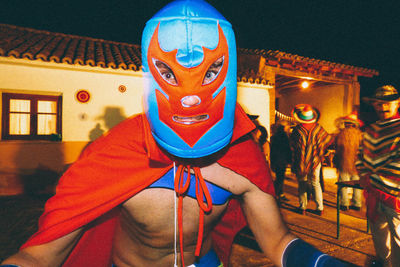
[
  {"x": 147, "y": 233},
  {"x": 153, "y": 212},
  {"x": 148, "y": 229}
]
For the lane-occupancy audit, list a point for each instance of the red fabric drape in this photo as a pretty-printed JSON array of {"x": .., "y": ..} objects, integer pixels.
[{"x": 116, "y": 167}]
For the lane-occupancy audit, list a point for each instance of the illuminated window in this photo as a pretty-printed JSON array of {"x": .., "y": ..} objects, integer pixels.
[{"x": 31, "y": 117}]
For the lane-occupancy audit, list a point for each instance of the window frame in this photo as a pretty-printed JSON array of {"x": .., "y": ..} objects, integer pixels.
[{"x": 34, "y": 98}]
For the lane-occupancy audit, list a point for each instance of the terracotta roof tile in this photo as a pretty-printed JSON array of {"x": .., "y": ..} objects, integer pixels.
[
  {"x": 69, "y": 53},
  {"x": 250, "y": 76},
  {"x": 118, "y": 57},
  {"x": 127, "y": 59},
  {"x": 45, "y": 54},
  {"x": 100, "y": 55},
  {"x": 81, "y": 52},
  {"x": 20, "y": 42},
  {"x": 284, "y": 60},
  {"x": 90, "y": 54}
]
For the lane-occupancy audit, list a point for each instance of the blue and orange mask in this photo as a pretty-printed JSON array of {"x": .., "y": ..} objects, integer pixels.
[{"x": 189, "y": 64}]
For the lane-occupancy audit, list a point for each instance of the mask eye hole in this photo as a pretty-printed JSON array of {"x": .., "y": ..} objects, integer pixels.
[
  {"x": 165, "y": 72},
  {"x": 213, "y": 71}
]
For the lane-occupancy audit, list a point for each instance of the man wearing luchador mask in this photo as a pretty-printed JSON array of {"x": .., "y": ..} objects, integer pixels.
[{"x": 172, "y": 186}]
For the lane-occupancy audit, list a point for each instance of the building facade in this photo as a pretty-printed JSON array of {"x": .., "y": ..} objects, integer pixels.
[{"x": 60, "y": 92}]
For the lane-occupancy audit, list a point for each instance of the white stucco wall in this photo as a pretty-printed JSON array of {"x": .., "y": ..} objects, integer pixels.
[
  {"x": 331, "y": 101},
  {"x": 254, "y": 99},
  {"x": 106, "y": 107}
]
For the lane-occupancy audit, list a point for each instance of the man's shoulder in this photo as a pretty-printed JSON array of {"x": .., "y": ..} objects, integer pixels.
[
  {"x": 320, "y": 130},
  {"x": 320, "y": 127},
  {"x": 379, "y": 128}
]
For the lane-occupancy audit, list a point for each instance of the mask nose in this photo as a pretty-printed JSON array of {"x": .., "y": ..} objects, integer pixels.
[{"x": 190, "y": 101}]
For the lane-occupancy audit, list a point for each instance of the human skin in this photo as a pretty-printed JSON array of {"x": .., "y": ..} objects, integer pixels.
[
  {"x": 145, "y": 235},
  {"x": 386, "y": 109}
]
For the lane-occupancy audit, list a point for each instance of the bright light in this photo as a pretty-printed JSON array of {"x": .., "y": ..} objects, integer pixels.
[{"x": 305, "y": 84}]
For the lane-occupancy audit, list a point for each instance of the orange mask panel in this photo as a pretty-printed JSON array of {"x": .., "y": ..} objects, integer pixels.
[{"x": 189, "y": 82}]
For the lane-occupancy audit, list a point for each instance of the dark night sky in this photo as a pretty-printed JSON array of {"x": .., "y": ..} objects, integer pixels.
[{"x": 362, "y": 33}]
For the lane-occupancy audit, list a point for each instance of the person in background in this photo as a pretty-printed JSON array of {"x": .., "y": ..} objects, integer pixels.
[
  {"x": 308, "y": 141},
  {"x": 260, "y": 135},
  {"x": 378, "y": 166},
  {"x": 263, "y": 141},
  {"x": 347, "y": 143},
  {"x": 280, "y": 157},
  {"x": 173, "y": 185}
]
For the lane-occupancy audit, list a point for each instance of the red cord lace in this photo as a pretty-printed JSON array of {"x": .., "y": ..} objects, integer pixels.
[{"x": 201, "y": 193}]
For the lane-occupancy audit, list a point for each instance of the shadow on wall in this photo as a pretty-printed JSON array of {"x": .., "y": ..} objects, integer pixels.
[
  {"x": 37, "y": 166},
  {"x": 111, "y": 117},
  {"x": 96, "y": 132},
  {"x": 33, "y": 162}
]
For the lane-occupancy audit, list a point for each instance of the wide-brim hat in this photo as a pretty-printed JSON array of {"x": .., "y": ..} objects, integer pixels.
[
  {"x": 351, "y": 118},
  {"x": 384, "y": 93},
  {"x": 305, "y": 113}
]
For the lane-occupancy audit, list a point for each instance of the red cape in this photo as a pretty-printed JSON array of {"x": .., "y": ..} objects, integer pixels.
[{"x": 122, "y": 163}]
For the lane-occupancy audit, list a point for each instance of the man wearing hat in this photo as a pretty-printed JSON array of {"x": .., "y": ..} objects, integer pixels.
[
  {"x": 378, "y": 165},
  {"x": 347, "y": 143},
  {"x": 309, "y": 141}
]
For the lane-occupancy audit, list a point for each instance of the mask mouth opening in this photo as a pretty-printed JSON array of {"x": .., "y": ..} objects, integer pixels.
[{"x": 191, "y": 119}]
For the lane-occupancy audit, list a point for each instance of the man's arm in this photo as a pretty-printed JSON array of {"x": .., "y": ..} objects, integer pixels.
[
  {"x": 260, "y": 209},
  {"x": 266, "y": 223},
  {"x": 274, "y": 238},
  {"x": 49, "y": 254}
]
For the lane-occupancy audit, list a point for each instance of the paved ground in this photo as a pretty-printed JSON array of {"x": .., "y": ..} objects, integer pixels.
[
  {"x": 353, "y": 246},
  {"x": 18, "y": 220}
]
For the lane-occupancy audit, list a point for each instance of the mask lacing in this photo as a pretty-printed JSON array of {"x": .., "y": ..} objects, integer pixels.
[{"x": 201, "y": 193}]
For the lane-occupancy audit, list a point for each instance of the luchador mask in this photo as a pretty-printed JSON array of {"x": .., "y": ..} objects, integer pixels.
[{"x": 189, "y": 65}]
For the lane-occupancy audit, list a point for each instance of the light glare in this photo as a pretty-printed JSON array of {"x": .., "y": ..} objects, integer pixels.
[{"x": 305, "y": 84}]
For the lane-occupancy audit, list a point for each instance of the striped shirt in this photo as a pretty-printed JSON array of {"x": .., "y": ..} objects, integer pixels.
[
  {"x": 379, "y": 156},
  {"x": 308, "y": 148}
]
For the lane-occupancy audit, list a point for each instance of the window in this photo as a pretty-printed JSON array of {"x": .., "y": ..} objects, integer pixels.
[{"x": 31, "y": 117}]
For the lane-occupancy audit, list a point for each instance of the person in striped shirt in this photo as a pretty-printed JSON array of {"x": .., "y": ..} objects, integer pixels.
[
  {"x": 379, "y": 168},
  {"x": 308, "y": 141}
]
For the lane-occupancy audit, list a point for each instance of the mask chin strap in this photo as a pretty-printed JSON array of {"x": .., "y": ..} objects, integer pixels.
[{"x": 202, "y": 192}]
